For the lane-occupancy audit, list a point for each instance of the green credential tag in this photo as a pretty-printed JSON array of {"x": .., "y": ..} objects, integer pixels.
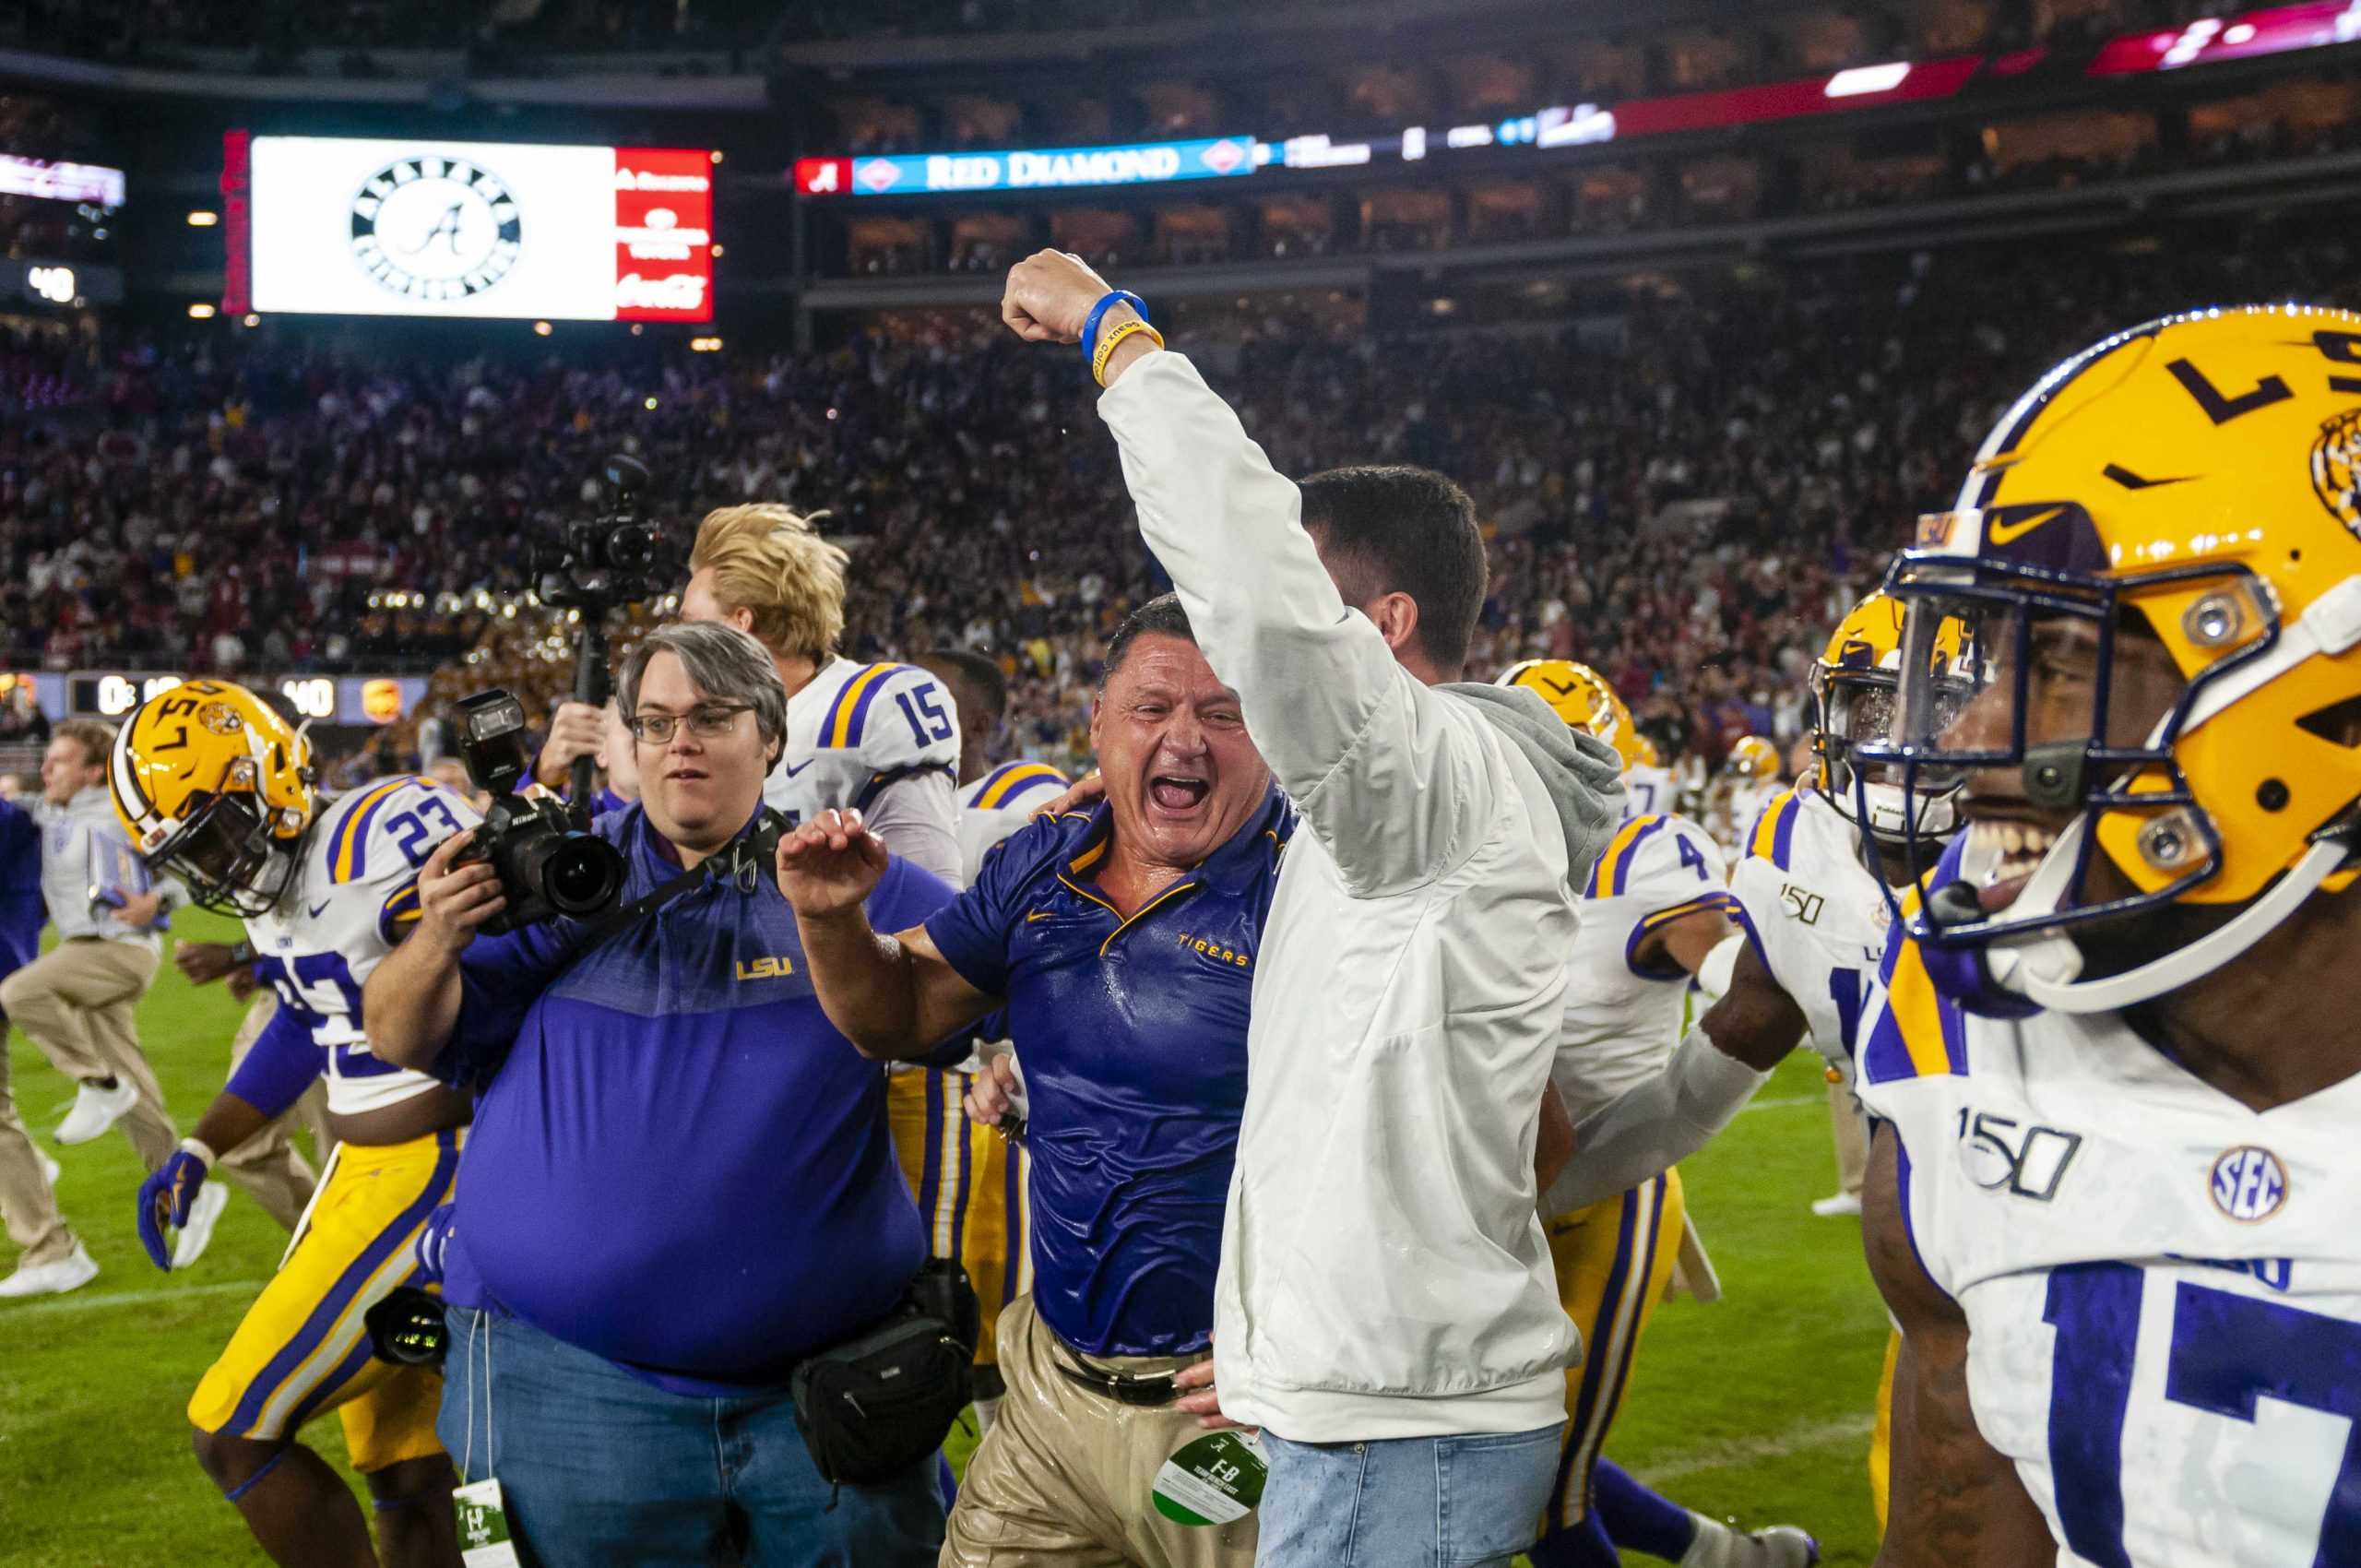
[
  {"x": 1214, "y": 1480},
  {"x": 483, "y": 1525}
]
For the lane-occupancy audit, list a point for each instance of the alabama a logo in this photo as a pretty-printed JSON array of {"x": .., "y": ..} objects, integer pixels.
[{"x": 435, "y": 229}]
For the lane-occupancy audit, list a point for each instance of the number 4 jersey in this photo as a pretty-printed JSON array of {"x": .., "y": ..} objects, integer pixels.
[
  {"x": 2163, "y": 1287},
  {"x": 348, "y": 905}
]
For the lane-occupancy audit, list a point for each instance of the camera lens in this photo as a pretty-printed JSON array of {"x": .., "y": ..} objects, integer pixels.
[
  {"x": 582, "y": 875},
  {"x": 631, "y": 549}
]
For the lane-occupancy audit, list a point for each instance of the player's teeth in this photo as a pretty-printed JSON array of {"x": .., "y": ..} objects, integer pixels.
[{"x": 2013, "y": 838}]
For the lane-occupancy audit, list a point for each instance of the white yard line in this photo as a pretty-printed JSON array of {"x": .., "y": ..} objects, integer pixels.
[
  {"x": 77, "y": 1301},
  {"x": 1798, "y": 1439},
  {"x": 1785, "y": 1102}
]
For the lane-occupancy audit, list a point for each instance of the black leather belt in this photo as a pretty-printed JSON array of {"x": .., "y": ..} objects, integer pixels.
[{"x": 1146, "y": 1389}]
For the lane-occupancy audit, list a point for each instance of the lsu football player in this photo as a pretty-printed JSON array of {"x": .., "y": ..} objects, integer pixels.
[
  {"x": 1650, "y": 788},
  {"x": 214, "y": 786},
  {"x": 1654, "y": 908},
  {"x": 2112, "y": 1187},
  {"x": 882, "y": 740},
  {"x": 1749, "y": 780},
  {"x": 1809, "y": 895}
]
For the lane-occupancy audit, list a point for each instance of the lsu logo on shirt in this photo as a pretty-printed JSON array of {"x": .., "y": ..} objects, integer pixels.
[{"x": 777, "y": 968}]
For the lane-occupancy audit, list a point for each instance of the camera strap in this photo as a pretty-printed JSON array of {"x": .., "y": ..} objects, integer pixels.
[{"x": 745, "y": 860}]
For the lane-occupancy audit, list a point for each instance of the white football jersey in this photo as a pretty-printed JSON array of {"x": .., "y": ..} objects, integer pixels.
[
  {"x": 999, "y": 803},
  {"x": 1649, "y": 792},
  {"x": 1622, "y": 1019},
  {"x": 1740, "y": 805},
  {"x": 2163, "y": 1287},
  {"x": 1816, "y": 914},
  {"x": 856, "y": 727},
  {"x": 351, "y": 899}
]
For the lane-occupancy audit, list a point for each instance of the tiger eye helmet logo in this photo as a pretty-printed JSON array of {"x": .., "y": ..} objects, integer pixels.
[
  {"x": 2336, "y": 469},
  {"x": 221, "y": 717}
]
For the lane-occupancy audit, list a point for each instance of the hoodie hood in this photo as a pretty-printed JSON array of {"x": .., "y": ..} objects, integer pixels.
[{"x": 1584, "y": 775}]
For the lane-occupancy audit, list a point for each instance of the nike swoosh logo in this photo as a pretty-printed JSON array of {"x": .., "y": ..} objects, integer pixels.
[
  {"x": 2003, "y": 533},
  {"x": 2131, "y": 480},
  {"x": 1037, "y": 915},
  {"x": 317, "y": 907},
  {"x": 792, "y": 771}
]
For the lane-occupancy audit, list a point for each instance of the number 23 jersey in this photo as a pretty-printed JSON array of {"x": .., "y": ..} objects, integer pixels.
[
  {"x": 350, "y": 902},
  {"x": 2163, "y": 1287}
]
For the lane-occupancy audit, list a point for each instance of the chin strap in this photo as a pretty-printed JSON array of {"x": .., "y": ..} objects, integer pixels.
[{"x": 2044, "y": 969}]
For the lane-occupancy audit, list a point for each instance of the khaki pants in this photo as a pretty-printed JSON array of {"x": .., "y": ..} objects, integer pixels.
[
  {"x": 1063, "y": 1477},
  {"x": 79, "y": 1003},
  {"x": 27, "y": 1205},
  {"x": 1851, "y": 1139},
  {"x": 268, "y": 1165}
]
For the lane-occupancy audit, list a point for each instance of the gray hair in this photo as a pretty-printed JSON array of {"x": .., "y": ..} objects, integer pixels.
[{"x": 722, "y": 661}]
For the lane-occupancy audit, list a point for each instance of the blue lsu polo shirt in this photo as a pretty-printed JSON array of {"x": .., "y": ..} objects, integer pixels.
[
  {"x": 677, "y": 1162},
  {"x": 1133, "y": 1036}
]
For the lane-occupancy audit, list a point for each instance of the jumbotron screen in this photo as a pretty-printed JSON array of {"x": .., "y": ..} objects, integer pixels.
[{"x": 343, "y": 226}]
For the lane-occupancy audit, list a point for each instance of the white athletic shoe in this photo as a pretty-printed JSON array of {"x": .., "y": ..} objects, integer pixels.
[
  {"x": 1843, "y": 1203},
  {"x": 50, "y": 1169},
  {"x": 96, "y": 1110},
  {"x": 1725, "y": 1546},
  {"x": 203, "y": 1212},
  {"x": 69, "y": 1272}
]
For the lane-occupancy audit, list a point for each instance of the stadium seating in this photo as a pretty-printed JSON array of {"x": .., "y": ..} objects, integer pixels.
[{"x": 1684, "y": 501}]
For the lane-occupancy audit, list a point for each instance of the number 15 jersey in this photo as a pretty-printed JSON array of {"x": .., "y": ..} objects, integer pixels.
[
  {"x": 350, "y": 902},
  {"x": 2163, "y": 1287}
]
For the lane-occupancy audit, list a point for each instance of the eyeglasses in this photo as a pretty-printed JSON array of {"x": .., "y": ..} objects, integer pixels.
[{"x": 704, "y": 723}]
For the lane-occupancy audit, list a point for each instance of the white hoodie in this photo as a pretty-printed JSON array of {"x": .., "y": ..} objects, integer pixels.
[{"x": 1384, "y": 1273}]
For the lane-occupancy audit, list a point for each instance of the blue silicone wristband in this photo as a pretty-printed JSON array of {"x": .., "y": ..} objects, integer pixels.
[{"x": 1107, "y": 302}]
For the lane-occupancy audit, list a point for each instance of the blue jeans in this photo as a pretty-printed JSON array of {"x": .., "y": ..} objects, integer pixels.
[
  {"x": 596, "y": 1467},
  {"x": 1406, "y": 1503}
]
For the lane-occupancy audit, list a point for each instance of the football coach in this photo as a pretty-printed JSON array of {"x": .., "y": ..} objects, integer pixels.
[
  {"x": 1386, "y": 1309},
  {"x": 1122, "y": 942},
  {"x": 680, "y": 1184}
]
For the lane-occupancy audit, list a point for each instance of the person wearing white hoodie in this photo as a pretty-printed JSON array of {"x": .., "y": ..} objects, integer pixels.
[{"x": 1384, "y": 1309}]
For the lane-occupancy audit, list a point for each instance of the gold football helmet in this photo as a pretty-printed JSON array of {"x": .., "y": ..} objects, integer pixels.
[
  {"x": 2156, "y": 563},
  {"x": 1754, "y": 758},
  {"x": 216, "y": 787},
  {"x": 1581, "y": 696},
  {"x": 1853, "y": 685}
]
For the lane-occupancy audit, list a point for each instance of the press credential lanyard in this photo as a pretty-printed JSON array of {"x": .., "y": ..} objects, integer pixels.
[{"x": 481, "y": 1512}]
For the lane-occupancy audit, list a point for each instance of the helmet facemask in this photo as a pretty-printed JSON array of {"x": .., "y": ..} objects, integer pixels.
[
  {"x": 1861, "y": 706},
  {"x": 227, "y": 856}
]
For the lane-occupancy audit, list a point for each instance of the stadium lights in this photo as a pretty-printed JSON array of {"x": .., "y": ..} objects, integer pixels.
[
  {"x": 200, "y": 311},
  {"x": 651, "y": 405},
  {"x": 717, "y": 253},
  {"x": 717, "y": 156},
  {"x": 1868, "y": 79},
  {"x": 202, "y": 219},
  {"x": 541, "y": 329},
  {"x": 251, "y": 321},
  {"x": 705, "y": 344}
]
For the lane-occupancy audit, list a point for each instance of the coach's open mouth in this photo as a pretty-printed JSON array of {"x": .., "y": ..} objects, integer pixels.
[{"x": 1177, "y": 793}]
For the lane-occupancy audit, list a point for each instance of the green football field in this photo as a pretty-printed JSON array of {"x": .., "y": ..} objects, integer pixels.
[{"x": 1758, "y": 1406}]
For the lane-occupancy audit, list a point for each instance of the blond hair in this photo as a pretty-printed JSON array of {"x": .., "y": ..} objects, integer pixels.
[{"x": 772, "y": 563}]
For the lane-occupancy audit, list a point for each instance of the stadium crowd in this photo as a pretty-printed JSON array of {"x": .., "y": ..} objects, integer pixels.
[{"x": 234, "y": 506}]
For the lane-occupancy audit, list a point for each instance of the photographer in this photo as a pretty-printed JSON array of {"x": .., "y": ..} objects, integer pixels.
[{"x": 680, "y": 1183}]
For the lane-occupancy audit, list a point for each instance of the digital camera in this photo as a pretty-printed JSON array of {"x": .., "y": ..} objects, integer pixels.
[{"x": 548, "y": 864}]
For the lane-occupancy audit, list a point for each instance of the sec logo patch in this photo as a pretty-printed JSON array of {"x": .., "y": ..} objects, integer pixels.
[
  {"x": 435, "y": 229},
  {"x": 2250, "y": 1183}
]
